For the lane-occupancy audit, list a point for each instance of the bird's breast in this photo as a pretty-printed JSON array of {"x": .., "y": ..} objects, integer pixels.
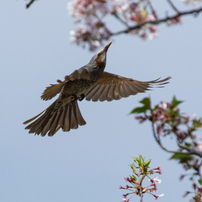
[{"x": 76, "y": 87}]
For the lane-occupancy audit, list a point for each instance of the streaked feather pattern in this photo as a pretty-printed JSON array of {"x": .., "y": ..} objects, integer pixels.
[{"x": 113, "y": 87}]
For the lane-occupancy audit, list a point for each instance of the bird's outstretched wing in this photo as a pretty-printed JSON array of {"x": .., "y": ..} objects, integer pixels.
[
  {"x": 113, "y": 87},
  {"x": 52, "y": 90}
]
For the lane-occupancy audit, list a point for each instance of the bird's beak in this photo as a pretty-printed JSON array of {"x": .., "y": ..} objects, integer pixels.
[{"x": 107, "y": 46}]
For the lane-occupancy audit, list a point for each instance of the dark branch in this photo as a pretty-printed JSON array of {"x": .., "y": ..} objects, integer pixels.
[
  {"x": 152, "y": 9},
  {"x": 173, "y": 6},
  {"x": 191, "y": 150},
  {"x": 158, "y": 140},
  {"x": 116, "y": 15},
  {"x": 29, "y": 4},
  {"x": 140, "y": 184},
  {"x": 156, "y": 22}
]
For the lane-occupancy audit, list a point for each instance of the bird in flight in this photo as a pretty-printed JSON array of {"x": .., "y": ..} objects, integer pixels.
[{"x": 90, "y": 82}]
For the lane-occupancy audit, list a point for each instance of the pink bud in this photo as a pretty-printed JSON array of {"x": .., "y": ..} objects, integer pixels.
[
  {"x": 158, "y": 196},
  {"x": 159, "y": 170}
]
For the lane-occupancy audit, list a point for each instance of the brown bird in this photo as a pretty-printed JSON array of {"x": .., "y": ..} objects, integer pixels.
[{"x": 90, "y": 82}]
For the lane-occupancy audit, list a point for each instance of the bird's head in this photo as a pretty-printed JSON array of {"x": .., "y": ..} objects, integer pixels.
[{"x": 99, "y": 59}]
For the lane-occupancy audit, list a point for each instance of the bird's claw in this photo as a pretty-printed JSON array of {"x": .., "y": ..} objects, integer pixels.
[
  {"x": 73, "y": 98},
  {"x": 81, "y": 97}
]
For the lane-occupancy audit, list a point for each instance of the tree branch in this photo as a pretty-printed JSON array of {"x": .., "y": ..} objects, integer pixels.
[
  {"x": 191, "y": 150},
  {"x": 115, "y": 14},
  {"x": 30, "y": 3},
  {"x": 158, "y": 21},
  {"x": 173, "y": 6},
  {"x": 140, "y": 188},
  {"x": 158, "y": 140},
  {"x": 152, "y": 9}
]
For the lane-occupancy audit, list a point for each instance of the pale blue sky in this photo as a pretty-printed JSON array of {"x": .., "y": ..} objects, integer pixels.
[{"x": 87, "y": 164}]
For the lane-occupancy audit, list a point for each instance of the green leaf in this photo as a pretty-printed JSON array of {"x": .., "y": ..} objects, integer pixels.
[
  {"x": 136, "y": 160},
  {"x": 138, "y": 110},
  {"x": 181, "y": 156},
  {"x": 146, "y": 106},
  {"x": 187, "y": 144},
  {"x": 133, "y": 177},
  {"x": 197, "y": 123},
  {"x": 146, "y": 164},
  {"x": 176, "y": 102},
  {"x": 175, "y": 113},
  {"x": 200, "y": 181},
  {"x": 133, "y": 167},
  {"x": 146, "y": 102},
  {"x": 141, "y": 164}
]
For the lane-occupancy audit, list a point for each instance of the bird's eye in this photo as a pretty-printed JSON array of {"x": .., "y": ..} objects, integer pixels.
[{"x": 99, "y": 54}]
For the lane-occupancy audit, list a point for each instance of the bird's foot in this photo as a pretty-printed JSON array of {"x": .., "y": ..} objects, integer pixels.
[
  {"x": 81, "y": 97},
  {"x": 73, "y": 98}
]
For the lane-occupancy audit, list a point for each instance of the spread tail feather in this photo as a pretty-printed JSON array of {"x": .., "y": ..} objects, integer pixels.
[{"x": 52, "y": 119}]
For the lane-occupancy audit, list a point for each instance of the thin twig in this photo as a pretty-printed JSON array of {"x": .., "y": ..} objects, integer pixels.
[
  {"x": 29, "y": 4},
  {"x": 140, "y": 188},
  {"x": 191, "y": 150},
  {"x": 121, "y": 20},
  {"x": 152, "y": 9},
  {"x": 156, "y": 22},
  {"x": 173, "y": 6},
  {"x": 158, "y": 140}
]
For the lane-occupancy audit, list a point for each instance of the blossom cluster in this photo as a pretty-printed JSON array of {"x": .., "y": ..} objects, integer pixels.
[
  {"x": 93, "y": 30},
  {"x": 167, "y": 120},
  {"x": 136, "y": 17},
  {"x": 90, "y": 14},
  {"x": 140, "y": 171}
]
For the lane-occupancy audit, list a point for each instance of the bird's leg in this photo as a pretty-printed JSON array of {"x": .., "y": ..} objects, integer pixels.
[
  {"x": 73, "y": 98},
  {"x": 81, "y": 97}
]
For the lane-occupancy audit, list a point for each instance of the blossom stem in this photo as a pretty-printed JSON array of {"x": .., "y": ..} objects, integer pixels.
[
  {"x": 173, "y": 6},
  {"x": 158, "y": 21}
]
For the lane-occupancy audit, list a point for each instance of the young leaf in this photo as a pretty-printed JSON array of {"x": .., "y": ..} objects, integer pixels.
[
  {"x": 146, "y": 102},
  {"x": 146, "y": 106},
  {"x": 136, "y": 160},
  {"x": 181, "y": 156},
  {"x": 200, "y": 181},
  {"x": 187, "y": 144},
  {"x": 197, "y": 123},
  {"x": 176, "y": 102},
  {"x": 146, "y": 164},
  {"x": 133, "y": 167},
  {"x": 138, "y": 110}
]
